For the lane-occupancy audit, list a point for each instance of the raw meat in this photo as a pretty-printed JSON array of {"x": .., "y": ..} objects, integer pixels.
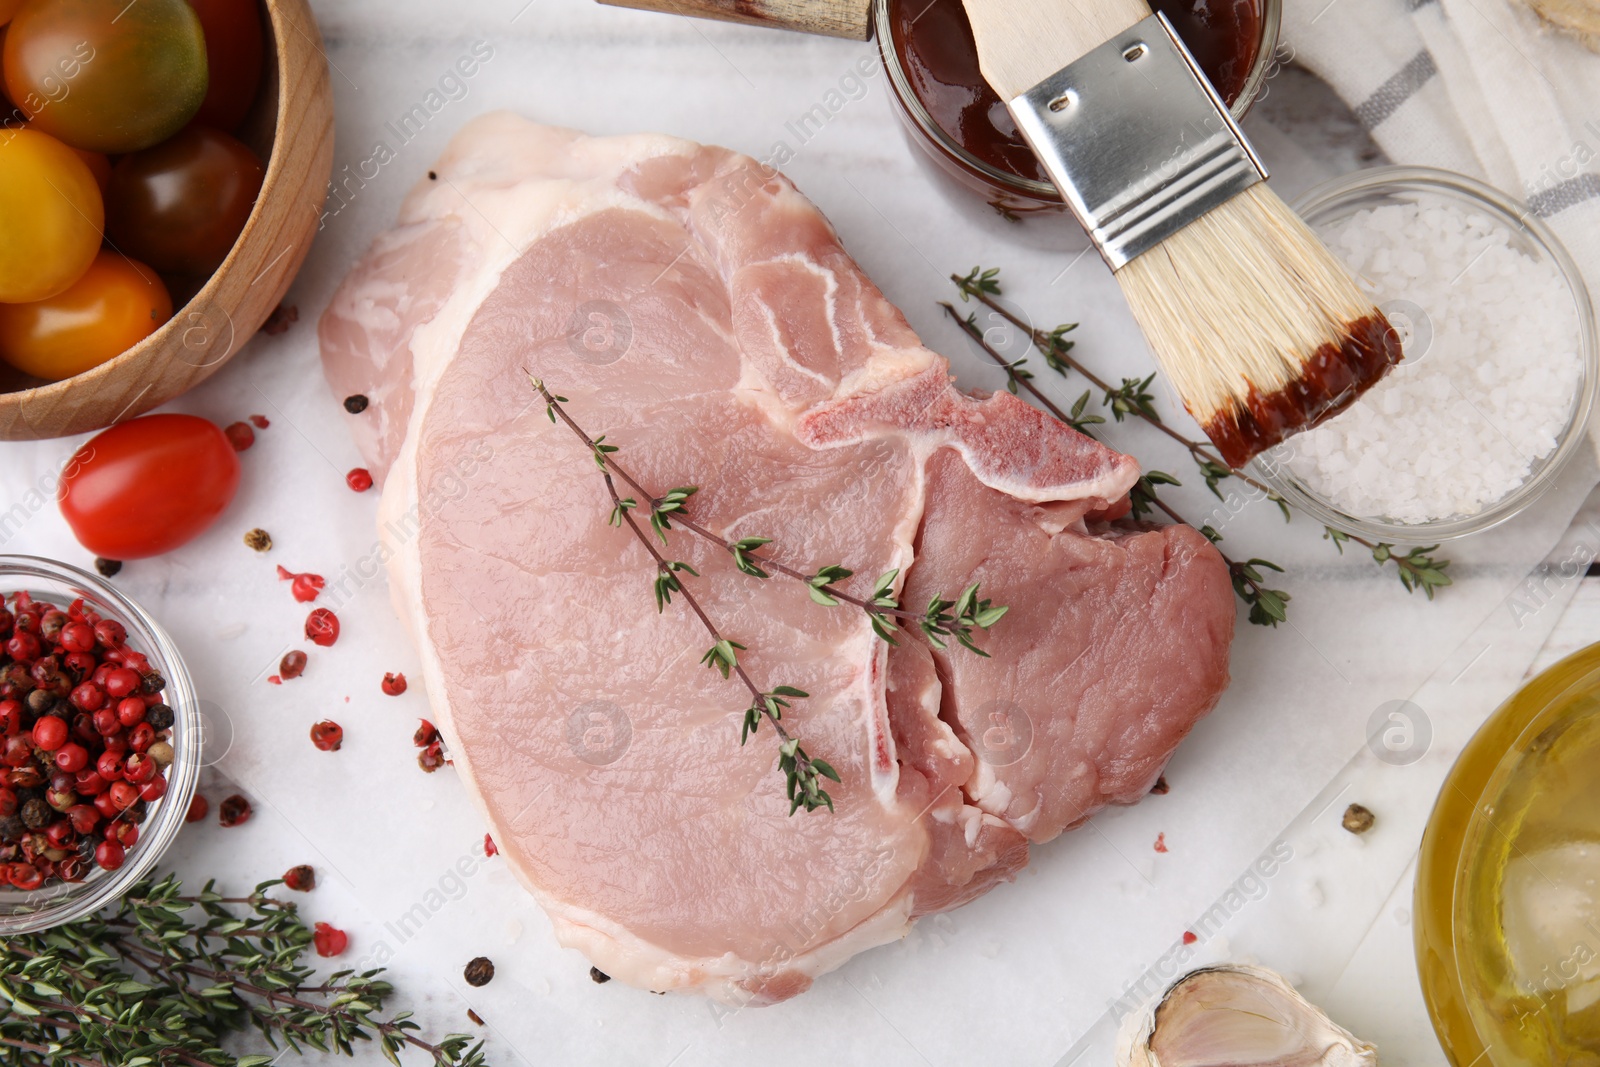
[{"x": 702, "y": 315}]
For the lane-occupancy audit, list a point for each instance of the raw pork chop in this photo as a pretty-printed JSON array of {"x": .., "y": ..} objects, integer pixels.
[{"x": 702, "y": 315}]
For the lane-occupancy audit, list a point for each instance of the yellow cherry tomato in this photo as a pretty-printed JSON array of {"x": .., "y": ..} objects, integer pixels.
[
  {"x": 115, "y": 305},
  {"x": 51, "y": 216},
  {"x": 99, "y": 163}
]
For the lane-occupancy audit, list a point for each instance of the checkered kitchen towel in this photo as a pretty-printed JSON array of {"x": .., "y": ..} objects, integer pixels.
[{"x": 1483, "y": 87}]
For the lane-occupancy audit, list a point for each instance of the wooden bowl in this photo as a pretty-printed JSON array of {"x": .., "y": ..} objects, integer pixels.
[{"x": 291, "y": 127}]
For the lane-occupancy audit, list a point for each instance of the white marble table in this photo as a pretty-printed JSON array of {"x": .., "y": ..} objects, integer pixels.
[{"x": 1030, "y": 974}]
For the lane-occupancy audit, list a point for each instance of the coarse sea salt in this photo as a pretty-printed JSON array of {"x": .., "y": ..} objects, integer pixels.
[{"x": 1490, "y": 374}]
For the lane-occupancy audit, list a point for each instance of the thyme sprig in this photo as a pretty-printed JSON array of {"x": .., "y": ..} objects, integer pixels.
[
  {"x": 803, "y": 774},
  {"x": 1268, "y": 607},
  {"x": 881, "y": 605},
  {"x": 1417, "y": 569},
  {"x": 163, "y": 978}
]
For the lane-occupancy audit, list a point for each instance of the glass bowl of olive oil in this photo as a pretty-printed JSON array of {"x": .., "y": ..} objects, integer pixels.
[{"x": 1508, "y": 881}]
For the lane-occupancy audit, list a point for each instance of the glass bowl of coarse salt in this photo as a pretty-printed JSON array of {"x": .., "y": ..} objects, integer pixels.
[{"x": 1493, "y": 395}]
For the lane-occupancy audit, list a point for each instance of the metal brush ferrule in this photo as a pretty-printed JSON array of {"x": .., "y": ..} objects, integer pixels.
[{"x": 1136, "y": 140}]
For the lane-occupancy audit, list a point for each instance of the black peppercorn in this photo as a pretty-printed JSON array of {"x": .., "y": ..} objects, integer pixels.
[
  {"x": 356, "y": 404},
  {"x": 159, "y": 716},
  {"x": 12, "y": 828},
  {"x": 479, "y": 972},
  {"x": 598, "y": 976},
  {"x": 154, "y": 683},
  {"x": 36, "y": 814},
  {"x": 107, "y": 567},
  {"x": 42, "y": 701}
]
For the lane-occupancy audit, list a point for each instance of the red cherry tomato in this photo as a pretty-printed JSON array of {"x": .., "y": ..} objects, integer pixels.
[
  {"x": 148, "y": 485},
  {"x": 234, "y": 56}
]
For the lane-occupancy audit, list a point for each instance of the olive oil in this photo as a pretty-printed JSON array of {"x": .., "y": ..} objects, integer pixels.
[{"x": 1508, "y": 882}]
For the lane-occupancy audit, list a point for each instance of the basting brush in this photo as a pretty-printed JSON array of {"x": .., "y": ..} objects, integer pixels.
[{"x": 1262, "y": 332}]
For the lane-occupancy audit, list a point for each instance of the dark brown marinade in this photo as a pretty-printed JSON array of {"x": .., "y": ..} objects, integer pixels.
[
  {"x": 934, "y": 41},
  {"x": 1329, "y": 382}
]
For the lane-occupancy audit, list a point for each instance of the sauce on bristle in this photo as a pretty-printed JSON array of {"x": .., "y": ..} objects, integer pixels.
[{"x": 1328, "y": 382}]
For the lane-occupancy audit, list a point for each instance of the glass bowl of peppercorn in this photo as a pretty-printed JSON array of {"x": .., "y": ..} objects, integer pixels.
[{"x": 99, "y": 743}]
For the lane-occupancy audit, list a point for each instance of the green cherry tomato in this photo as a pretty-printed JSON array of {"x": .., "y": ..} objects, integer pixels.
[
  {"x": 148, "y": 485},
  {"x": 234, "y": 56},
  {"x": 180, "y": 205},
  {"x": 106, "y": 75}
]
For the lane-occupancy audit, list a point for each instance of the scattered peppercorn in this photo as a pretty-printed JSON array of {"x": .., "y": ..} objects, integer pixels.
[
  {"x": 426, "y": 734},
  {"x": 479, "y": 971},
  {"x": 1161, "y": 788},
  {"x": 1358, "y": 820},
  {"x": 330, "y": 940},
  {"x": 260, "y": 421},
  {"x": 304, "y": 587},
  {"x": 359, "y": 479},
  {"x": 280, "y": 320},
  {"x": 322, "y": 627},
  {"x": 393, "y": 684},
  {"x": 474, "y": 1016},
  {"x": 302, "y": 878},
  {"x": 234, "y": 811},
  {"x": 598, "y": 976},
  {"x": 327, "y": 735},
  {"x": 293, "y": 664},
  {"x": 258, "y": 539},
  {"x": 199, "y": 808},
  {"x": 433, "y": 176},
  {"x": 108, "y": 568},
  {"x": 240, "y": 435},
  {"x": 1161, "y": 842},
  {"x": 489, "y": 847},
  {"x": 431, "y": 758},
  {"x": 1190, "y": 937},
  {"x": 356, "y": 404}
]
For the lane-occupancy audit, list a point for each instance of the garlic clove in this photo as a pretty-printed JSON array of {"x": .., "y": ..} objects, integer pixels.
[
  {"x": 1237, "y": 1016},
  {"x": 1578, "y": 18}
]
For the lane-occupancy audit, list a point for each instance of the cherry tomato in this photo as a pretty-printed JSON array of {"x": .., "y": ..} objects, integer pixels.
[
  {"x": 180, "y": 205},
  {"x": 106, "y": 75},
  {"x": 115, "y": 305},
  {"x": 234, "y": 57},
  {"x": 148, "y": 485},
  {"x": 51, "y": 215},
  {"x": 98, "y": 163}
]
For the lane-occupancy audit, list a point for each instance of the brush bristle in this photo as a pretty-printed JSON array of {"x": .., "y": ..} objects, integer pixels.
[{"x": 1260, "y": 330}]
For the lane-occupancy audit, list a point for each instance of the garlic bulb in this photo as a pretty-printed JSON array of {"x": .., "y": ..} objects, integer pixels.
[
  {"x": 1240, "y": 1017},
  {"x": 1580, "y": 18}
]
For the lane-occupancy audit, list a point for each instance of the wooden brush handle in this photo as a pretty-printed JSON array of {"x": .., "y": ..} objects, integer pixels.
[
  {"x": 830, "y": 18},
  {"x": 1022, "y": 42}
]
